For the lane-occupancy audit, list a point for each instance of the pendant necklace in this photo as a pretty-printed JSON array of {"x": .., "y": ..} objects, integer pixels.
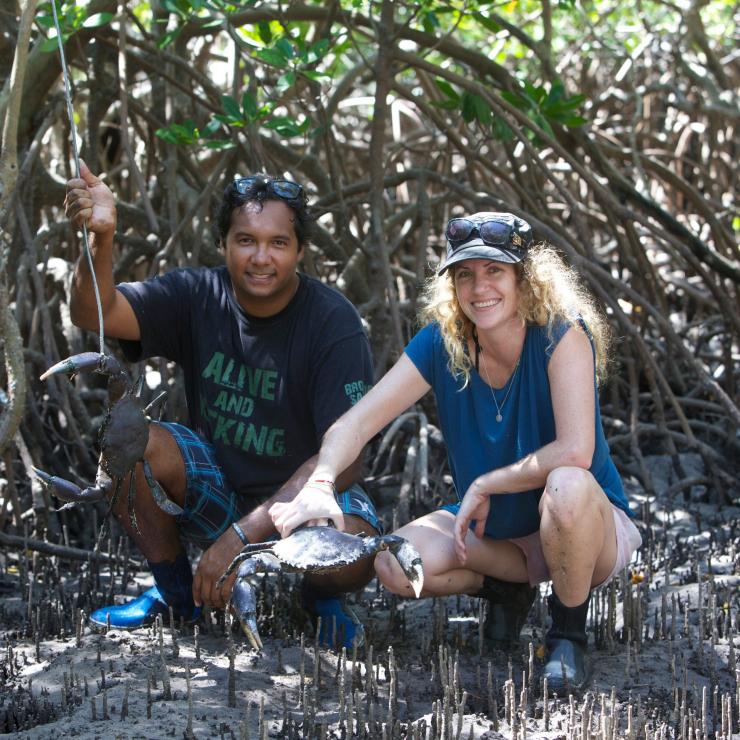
[{"x": 510, "y": 384}]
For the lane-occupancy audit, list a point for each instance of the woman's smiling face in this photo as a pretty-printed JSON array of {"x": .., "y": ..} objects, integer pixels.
[{"x": 488, "y": 292}]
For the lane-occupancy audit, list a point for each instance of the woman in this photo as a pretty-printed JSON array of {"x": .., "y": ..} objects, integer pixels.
[{"x": 512, "y": 349}]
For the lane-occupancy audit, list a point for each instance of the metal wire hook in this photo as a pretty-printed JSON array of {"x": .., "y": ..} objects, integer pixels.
[{"x": 73, "y": 129}]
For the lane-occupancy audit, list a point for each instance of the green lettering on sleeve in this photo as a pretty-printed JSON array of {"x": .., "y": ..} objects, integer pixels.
[{"x": 356, "y": 390}]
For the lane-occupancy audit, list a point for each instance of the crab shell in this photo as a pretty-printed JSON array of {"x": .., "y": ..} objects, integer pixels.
[
  {"x": 124, "y": 436},
  {"x": 319, "y": 548}
]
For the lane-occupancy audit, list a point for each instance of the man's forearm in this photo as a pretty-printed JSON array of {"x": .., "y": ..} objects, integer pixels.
[{"x": 83, "y": 307}]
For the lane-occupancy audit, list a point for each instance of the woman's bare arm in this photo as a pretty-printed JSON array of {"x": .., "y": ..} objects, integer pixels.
[{"x": 401, "y": 387}]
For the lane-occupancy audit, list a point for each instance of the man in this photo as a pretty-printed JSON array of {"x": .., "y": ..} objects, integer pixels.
[{"x": 271, "y": 359}]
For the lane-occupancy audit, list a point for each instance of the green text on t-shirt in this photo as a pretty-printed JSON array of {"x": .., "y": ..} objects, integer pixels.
[{"x": 239, "y": 386}]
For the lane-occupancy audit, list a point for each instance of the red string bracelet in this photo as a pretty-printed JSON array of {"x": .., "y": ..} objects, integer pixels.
[{"x": 323, "y": 482}]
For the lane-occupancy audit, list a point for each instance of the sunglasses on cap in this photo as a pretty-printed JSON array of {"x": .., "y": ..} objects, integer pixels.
[
  {"x": 285, "y": 189},
  {"x": 493, "y": 232}
]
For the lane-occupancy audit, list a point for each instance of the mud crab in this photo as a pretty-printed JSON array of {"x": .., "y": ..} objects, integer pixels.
[
  {"x": 123, "y": 439},
  {"x": 312, "y": 550}
]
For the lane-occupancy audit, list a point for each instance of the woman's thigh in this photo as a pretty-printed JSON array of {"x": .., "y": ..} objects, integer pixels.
[{"x": 432, "y": 535}]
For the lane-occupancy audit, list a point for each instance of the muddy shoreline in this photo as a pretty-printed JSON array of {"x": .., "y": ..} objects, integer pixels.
[{"x": 664, "y": 645}]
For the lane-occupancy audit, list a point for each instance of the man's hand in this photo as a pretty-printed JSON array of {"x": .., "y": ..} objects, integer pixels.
[
  {"x": 475, "y": 505},
  {"x": 216, "y": 559},
  {"x": 90, "y": 201},
  {"x": 314, "y": 504}
]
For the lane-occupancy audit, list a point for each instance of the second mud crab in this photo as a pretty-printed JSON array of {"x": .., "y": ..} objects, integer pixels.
[
  {"x": 123, "y": 439},
  {"x": 311, "y": 550}
]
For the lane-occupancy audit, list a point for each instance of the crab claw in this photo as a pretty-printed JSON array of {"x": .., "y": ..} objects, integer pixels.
[
  {"x": 108, "y": 365},
  {"x": 76, "y": 363},
  {"x": 244, "y": 604},
  {"x": 409, "y": 559},
  {"x": 243, "y": 599},
  {"x": 70, "y": 492}
]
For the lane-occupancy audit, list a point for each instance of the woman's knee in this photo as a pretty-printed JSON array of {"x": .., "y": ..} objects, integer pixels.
[
  {"x": 390, "y": 574},
  {"x": 568, "y": 493}
]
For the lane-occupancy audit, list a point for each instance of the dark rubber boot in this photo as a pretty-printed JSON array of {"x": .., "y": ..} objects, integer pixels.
[
  {"x": 567, "y": 668},
  {"x": 509, "y": 604}
]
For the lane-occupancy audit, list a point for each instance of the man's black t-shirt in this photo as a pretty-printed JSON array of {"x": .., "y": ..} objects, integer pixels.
[{"x": 262, "y": 390}]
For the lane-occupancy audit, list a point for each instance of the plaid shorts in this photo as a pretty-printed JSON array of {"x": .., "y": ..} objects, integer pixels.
[{"x": 212, "y": 504}]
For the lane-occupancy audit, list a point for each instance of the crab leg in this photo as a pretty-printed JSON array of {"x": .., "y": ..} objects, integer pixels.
[
  {"x": 233, "y": 565},
  {"x": 167, "y": 505},
  {"x": 409, "y": 559},
  {"x": 247, "y": 552},
  {"x": 105, "y": 527},
  {"x": 243, "y": 597},
  {"x": 71, "y": 492},
  {"x": 131, "y": 501},
  {"x": 138, "y": 386},
  {"x": 158, "y": 401},
  {"x": 114, "y": 498}
]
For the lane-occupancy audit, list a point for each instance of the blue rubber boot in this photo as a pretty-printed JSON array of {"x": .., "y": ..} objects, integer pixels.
[
  {"x": 340, "y": 626},
  {"x": 137, "y": 613}
]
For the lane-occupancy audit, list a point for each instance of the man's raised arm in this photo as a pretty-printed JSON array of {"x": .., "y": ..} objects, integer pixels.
[{"x": 90, "y": 201}]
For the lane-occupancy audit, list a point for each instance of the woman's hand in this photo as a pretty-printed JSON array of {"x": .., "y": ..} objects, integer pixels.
[
  {"x": 314, "y": 504},
  {"x": 475, "y": 505}
]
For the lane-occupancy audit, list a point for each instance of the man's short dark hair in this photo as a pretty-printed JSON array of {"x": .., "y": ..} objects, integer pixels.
[{"x": 259, "y": 191}]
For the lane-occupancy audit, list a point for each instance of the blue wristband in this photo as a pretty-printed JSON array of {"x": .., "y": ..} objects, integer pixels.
[{"x": 240, "y": 533}]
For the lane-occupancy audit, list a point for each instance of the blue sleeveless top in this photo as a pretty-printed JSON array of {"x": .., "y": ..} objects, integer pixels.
[{"x": 477, "y": 443}]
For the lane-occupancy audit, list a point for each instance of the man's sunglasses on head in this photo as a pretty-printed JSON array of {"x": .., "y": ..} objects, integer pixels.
[{"x": 285, "y": 189}]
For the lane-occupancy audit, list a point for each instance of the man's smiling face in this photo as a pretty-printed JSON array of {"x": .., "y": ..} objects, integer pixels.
[{"x": 262, "y": 253}]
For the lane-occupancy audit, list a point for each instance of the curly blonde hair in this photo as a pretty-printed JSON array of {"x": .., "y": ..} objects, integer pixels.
[{"x": 550, "y": 290}]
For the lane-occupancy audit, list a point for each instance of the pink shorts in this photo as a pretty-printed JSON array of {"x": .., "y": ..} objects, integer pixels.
[{"x": 628, "y": 540}]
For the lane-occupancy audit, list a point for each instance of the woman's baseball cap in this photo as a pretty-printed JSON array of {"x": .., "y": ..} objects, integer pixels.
[{"x": 502, "y": 237}]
